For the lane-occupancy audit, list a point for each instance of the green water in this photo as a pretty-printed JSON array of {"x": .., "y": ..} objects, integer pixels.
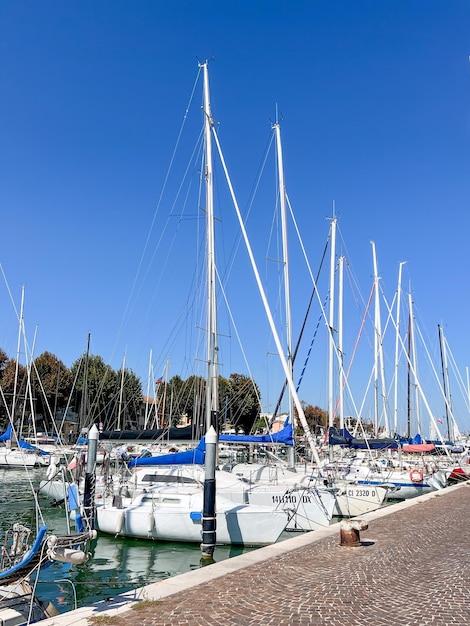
[{"x": 115, "y": 565}]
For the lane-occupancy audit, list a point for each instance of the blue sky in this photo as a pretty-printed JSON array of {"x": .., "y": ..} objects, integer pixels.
[{"x": 375, "y": 120}]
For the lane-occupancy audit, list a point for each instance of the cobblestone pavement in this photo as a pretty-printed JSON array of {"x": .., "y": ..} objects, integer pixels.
[{"x": 412, "y": 569}]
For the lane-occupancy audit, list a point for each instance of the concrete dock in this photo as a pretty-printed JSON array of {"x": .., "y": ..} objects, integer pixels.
[{"x": 411, "y": 569}]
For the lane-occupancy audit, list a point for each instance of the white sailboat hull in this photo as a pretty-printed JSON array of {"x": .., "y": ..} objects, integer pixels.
[
  {"x": 307, "y": 508},
  {"x": 169, "y": 515},
  {"x": 353, "y": 500},
  {"x": 22, "y": 458}
]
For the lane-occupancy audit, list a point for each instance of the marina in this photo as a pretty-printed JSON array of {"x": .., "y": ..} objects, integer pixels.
[{"x": 223, "y": 494}]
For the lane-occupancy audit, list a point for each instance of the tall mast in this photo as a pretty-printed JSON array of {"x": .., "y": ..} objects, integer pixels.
[
  {"x": 408, "y": 412},
  {"x": 414, "y": 361},
  {"x": 445, "y": 380},
  {"x": 17, "y": 364},
  {"x": 397, "y": 350},
  {"x": 340, "y": 341},
  {"x": 285, "y": 259},
  {"x": 84, "y": 403},
  {"x": 149, "y": 378},
  {"x": 212, "y": 401},
  {"x": 331, "y": 322},
  {"x": 378, "y": 356}
]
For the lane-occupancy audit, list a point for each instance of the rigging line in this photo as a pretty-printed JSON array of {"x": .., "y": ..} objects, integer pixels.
[
  {"x": 455, "y": 369},
  {"x": 420, "y": 389},
  {"x": 356, "y": 345},
  {"x": 10, "y": 293},
  {"x": 161, "y": 238},
  {"x": 28, "y": 473},
  {"x": 238, "y": 336},
  {"x": 178, "y": 139},
  {"x": 297, "y": 345},
  {"x": 309, "y": 351},
  {"x": 439, "y": 383},
  {"x": 249, "y": 208}
]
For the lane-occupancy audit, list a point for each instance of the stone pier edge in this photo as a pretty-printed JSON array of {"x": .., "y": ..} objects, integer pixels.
[{"x": 164, "y": 588}]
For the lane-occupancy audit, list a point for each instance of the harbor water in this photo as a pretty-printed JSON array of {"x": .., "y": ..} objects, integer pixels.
[{"x": 115, "y": 565}]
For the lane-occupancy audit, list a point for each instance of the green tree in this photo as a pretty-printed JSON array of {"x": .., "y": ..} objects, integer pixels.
[
  {"x": 244, "y": 401},
  {"x": 181, "y": 397},
  {"x": 51, "y": 383},
  {"x": 13, "y": 381},
  {"x": 130, "y": 400},
  {"x": 95, "y": 390},
  {"x": 316, "y": 417}
]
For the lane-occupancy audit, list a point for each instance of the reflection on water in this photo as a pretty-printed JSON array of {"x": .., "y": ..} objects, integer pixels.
[{"x": 115, "y": 565}]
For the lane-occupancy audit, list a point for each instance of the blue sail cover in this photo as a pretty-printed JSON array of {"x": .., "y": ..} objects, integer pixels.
[
  {"x": 29, "y": 446},
  {"x": 344, "y": 438},
  {"x": 189, "y": 457},
  {"x": 419, "y": 439},
  {"x": 284, "y": 436},
  {"x": 6, "y": 436},
  {"x": 197, "y": 455}
]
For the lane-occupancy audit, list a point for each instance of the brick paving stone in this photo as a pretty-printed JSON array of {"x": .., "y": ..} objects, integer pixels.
[{"x": 412, "y": 569}]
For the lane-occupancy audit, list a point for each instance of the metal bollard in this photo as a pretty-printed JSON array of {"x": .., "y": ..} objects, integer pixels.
[{"x": 349, "y": 532}]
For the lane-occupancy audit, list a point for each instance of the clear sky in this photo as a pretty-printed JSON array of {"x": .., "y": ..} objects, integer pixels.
[{"x": 374, "y": 103}]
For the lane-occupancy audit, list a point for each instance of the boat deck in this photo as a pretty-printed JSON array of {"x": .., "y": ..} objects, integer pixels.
[{"x": 410, "y": 569}]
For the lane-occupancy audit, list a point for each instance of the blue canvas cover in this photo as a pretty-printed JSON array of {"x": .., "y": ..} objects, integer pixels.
[
  {"x": 284, "y": 436},
  {"x": 189, "y": 457},
  {"x": 6, "y": 436},
  {"x": 344, "y": 438}
]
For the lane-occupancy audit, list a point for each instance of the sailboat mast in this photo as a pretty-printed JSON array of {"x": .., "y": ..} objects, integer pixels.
[
  {"x": 212, "y": 400},
  {"x": 378, "y": 352},
  {"x": 414, "y": 360},
  {"x": 331, "y": 323},
  {"x": 445, "y": 380},
  {"x": 17, "y": 364},
  {"x": 340, "y": 340},
  {"x": 397, "y": 350},
  {"x": 285, "y": 258},
  {"x": 408, "y": 413},
  {"x": 212, "y": 349},
  {"x": 149, "y": 378},
  {"x": 84, "y": 403}
]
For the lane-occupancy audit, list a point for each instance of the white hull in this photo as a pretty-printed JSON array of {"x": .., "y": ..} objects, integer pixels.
[
  {"x": 405, "y": 487},
  {"x": 353, "y": 500},
  {"x": 20, "y": 458},
  {"x": 166, "y": 514},
  {"x": 18, "y": 605},
  {"x": 307, "y": 508}
]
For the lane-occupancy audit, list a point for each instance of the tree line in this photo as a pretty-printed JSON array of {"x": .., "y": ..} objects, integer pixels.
[
  {"x": 90, "y": 392},
  {"x": 37, "y": 396}
]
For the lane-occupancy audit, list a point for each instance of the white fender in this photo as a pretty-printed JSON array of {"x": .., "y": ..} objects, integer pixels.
[
  {"x": 67, "y": 555},
  {"x": 120, "y": 522},
  {"x": 51, "y": 470}
]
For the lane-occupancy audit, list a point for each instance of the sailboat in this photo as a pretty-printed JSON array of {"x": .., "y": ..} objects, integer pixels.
[
  {"x": 173, "y": 512},
  {"x": 22, "y": 455}
]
